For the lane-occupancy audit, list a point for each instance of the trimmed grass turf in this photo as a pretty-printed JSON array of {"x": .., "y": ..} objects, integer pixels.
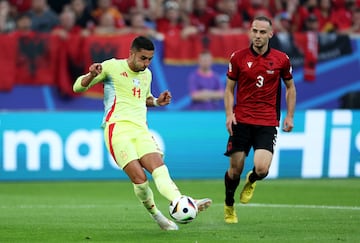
[{"x": 323, "y": 210}]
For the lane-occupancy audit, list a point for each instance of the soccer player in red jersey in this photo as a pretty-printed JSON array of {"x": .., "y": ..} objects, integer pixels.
[{"x": 252, "y": 120}]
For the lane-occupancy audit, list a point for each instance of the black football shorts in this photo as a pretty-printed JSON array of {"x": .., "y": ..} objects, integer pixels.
[{"x": 247, "y": 136}]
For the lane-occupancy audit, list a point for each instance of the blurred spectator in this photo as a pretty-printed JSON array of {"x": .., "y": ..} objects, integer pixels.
[
  {"x": 282, "y": 23},
  {"x": 277, "y": 6},
  {"x": 149, "y": 8},
  {"x": 127, "y": 6},
  {"x": 67, "y": 25},
  {"x": 188, "y": 29},
  {"x": 341, "y": 3},
  {"x": 57, "y": 5},
  {"x": 311, "y": 23},
  {"x": 253, "y": 9},
  {"x": 20, "y": 6},
  {"x": 212, "y": 3},
  {"x": 138, "y": 26},
  {"x": 106, "y": 6},
  {"x": 7, "y": 20},
  {"x": 283, "y": 38},
  {"x": 202, "y": 16},
  {"x": 107, "y": 25},
  {"x": 43, "y": 18},
  {"x": 174, "y": 21},
  {"x": 280, "y": 6},
  {"x": 302, "y": 13},
  {"x": 338, "y": 3},
  {"x": 342, "y": 17},
  {"x": 23, "y": 24},
  {"x": 324, "y": 16},
  {"x": 355, "y": 27},
  {"x": 222, "y": 26},
  {"x": 205, "y": 86},
  {"x": 229, "y": 7},
  {"x": 83, "y": 15}
]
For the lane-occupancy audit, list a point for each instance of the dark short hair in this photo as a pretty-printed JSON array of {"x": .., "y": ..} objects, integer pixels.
[
  {"x": 263, "y": 18},
  {"x": 22, "y": 16},
  {"x": 142, "y": 42}
]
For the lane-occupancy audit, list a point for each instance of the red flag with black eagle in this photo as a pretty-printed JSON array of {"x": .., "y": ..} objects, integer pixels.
[
  {"x": 70, "y": 63},
  {"x": 36, "y": 58}
]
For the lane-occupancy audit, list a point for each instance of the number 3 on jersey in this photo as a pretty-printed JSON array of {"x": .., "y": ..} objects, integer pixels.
[{"x": 260, "y": 81}]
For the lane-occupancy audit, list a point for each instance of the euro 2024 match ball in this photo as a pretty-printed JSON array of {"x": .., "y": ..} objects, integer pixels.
[{"x": 183, "y": 209}]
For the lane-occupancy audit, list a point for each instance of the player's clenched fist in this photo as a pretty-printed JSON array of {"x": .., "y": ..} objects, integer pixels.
[
  {"x": 95, "y": 69},
  {"x": 164, "y": 98}
]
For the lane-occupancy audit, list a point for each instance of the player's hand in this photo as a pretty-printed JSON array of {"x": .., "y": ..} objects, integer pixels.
[
  {"x": 95, "y": 69},
  {"x": 230, "y": 120},
  {"x": 288, "y": 124},
  {"x": 164, "y": 98}
]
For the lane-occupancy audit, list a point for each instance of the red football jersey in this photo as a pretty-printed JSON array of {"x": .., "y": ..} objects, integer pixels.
[{"x": 258, "y": 91}]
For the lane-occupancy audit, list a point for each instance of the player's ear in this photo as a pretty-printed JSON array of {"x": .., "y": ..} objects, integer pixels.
[
  {"x": 131, "y": 52},
  {"x": 271, "y": 34}
]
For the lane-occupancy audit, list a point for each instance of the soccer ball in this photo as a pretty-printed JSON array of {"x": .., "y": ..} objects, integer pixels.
[{"x": 183, "y": 209}]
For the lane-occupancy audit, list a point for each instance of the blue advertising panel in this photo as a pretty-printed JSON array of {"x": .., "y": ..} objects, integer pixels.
[{"x": 69, "y": 145}]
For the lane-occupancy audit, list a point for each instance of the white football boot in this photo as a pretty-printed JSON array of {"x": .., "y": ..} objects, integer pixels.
[
  {"x": 163, "y": 222},
  {"x": 203, "y": 204}
]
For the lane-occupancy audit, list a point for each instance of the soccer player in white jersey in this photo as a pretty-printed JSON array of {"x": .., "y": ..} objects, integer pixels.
[{"x": 127, "y": 94}]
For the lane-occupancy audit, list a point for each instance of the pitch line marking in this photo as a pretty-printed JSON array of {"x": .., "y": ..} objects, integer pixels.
[
  {"x": 264, "y": 205},
  {"x": 301, "y": 206}
]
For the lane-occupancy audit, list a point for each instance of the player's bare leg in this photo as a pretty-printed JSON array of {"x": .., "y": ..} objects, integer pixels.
[{"x": 145, "y": 195}]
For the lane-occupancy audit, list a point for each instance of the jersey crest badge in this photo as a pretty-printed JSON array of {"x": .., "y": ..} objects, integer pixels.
[
  {"x": 136, "y": 82},
  {"x": 249, "y": 64}
]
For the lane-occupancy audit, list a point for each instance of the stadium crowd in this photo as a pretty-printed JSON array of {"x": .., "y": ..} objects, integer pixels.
[{"x": 158, "y": 18}]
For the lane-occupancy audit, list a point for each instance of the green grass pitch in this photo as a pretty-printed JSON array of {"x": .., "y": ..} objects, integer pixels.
[{"x": 306, "y": 210}]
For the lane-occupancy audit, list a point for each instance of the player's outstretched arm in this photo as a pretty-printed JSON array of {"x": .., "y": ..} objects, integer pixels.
[{"x": 83, "y": 82}]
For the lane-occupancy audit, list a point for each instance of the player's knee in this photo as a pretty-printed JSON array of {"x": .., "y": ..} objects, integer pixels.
[
  {"x": 234, "y": 173},
  {"x": 138, "y": 178},
  {"x": 262, "y": 174}
]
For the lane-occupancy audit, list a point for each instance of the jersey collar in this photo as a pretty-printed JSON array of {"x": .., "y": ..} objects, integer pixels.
[{"x": 257, "y": 54}]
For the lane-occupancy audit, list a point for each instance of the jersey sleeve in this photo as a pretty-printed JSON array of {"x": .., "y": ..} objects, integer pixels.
[
  {"x": 148, "y": 92},
  {"x": 287, "y": 69},
  {"x": 233, "y": 68}
]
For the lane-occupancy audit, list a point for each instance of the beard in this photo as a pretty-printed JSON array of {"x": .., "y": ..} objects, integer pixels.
[
  {"x": 258, "y": 44},
  {"x": 140, "y": 69}
]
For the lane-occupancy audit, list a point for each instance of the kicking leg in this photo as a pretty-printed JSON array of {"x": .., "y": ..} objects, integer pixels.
[{"x": 145, "y": 195}]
